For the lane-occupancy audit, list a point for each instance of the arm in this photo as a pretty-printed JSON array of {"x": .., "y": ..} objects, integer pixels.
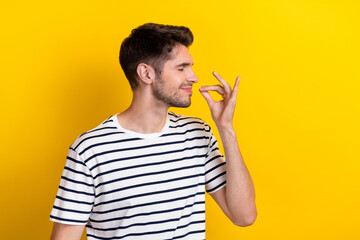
[
  {"x": 66, "y": 232},
  {"x": 237, "y": 199}
]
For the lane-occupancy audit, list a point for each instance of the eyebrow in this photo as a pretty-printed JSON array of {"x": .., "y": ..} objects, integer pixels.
[{"x": 185, "y": 64}]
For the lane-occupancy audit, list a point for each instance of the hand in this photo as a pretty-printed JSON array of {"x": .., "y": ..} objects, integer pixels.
[{"x": 222, "y": 111}]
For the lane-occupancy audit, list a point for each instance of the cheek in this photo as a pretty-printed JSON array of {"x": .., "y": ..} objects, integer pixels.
[{"x": 172, "y": 82}]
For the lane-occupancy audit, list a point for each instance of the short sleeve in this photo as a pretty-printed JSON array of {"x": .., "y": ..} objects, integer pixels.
[
  {"x": 215, "y": 167},
  {"x": 75, "y": 196}
]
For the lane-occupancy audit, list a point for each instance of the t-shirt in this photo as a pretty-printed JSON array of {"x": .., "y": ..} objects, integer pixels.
[{"x": 127, "y": 185}]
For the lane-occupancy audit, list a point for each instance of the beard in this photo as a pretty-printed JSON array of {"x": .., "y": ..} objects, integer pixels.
[{"x": 170, "y": 97}]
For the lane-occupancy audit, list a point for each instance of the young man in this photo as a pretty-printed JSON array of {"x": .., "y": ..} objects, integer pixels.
[{"x": 143, "y": 173}]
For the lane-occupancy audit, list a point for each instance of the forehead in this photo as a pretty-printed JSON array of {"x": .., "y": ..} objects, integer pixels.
[{"x": 180, "y": 55}]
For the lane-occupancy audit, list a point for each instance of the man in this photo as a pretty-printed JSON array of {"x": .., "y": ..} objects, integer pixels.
[{"x": 142, "y": 173}]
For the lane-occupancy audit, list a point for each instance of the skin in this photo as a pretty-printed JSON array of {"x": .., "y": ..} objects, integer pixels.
[
  {"x": 66, "y": 232},
  {"x": 237, "y": 198},
  {"x": 151, "y": 100}
]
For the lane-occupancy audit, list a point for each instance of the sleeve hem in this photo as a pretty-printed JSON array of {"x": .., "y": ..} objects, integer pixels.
[
  {"x": 211, "y": 191},
  {"x": 67, "y": 222}
]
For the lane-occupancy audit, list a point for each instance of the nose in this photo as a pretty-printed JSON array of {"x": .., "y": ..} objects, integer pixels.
[{"x": 192, "y": 77}]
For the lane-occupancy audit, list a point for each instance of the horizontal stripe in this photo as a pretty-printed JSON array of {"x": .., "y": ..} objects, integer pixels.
[
  {"x": 143, "y": 147},
  {"x": 151, "y": 223},
  {"x": 146, "y": 165},
  {"x": 217, "y": 176},
  {"x": 196, "y": 222},
  {"x": 151, "y": 203},
  {"x": 218, "y": 186},
  {"x": 184, "y": 124},
  {"x": 212, "y": 169},
  {"x": 214, "y": 149},
  {"x": 183, "y": 133},
  {"x": 130, "y": 234},
  {"x": 98, "y": 129},
  {"x": 71, "y": 210},
  {"x": 78, "y": 172},
  {"x": 74, "y": 201},
  {"x": 173, "y": 114},
  {"x": 149, "y": 194},
  {"x": 108, "y": 120},
  {"x": 146, "y": 155},
  {"x": 192, "y": 232},
  {"x": 148, "y": 213},
  {"x": 150, "y": 173},
  {"x": 140, "y": 147},
  {"x": 110, "y": 142},
  {"x": 68, "y": 220},
  {"x": 127, "y": 187},
  {"x": 97, "y": 136},
  {"x": 148, "y": 184},
  {"x": 150, "y": 233},
  {"x": 74, "y": 191},
  {"x": 78, "y": 182},
  {"x": 213, "y": 158},
  {"x": 75, "y": 161}
]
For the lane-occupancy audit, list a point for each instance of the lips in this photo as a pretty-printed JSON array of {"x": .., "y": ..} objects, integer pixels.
[{"x": 187, "y": 89}]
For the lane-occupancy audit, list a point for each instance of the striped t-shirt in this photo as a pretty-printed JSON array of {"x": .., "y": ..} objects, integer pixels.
[{"x": 126, "y": 185}]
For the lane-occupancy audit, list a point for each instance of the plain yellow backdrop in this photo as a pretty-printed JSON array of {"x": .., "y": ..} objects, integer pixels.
[{"x": 297, "y": 116}]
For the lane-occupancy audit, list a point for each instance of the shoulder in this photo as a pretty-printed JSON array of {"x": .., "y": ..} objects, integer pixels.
[
  {"x": 96, "y": 134},
  {"x": 179, "y": 121}
]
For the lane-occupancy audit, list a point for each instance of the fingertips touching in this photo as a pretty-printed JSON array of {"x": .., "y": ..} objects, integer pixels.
[{"x": 202, "y": 88}]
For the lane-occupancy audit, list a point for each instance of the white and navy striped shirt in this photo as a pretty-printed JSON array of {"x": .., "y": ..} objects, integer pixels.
[{"x": 126, "y": 185}]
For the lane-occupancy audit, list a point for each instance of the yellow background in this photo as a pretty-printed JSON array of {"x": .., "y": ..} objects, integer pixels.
[{"x": 297, "y": 115}]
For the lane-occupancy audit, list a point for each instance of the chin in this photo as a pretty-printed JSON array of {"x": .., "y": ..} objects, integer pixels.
[
  {"x": 182, "y": 105},
  {"x": 186, "y": 105}
]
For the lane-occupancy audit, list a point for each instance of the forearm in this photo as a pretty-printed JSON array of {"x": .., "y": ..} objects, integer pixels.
[
  {"x": 237, "y": 199},
  {"x": 240, "y": 192},
  {"x": 66, "y": 232}
]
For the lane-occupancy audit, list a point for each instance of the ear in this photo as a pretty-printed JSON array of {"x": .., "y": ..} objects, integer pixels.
[{"x": 146, "y": 73}]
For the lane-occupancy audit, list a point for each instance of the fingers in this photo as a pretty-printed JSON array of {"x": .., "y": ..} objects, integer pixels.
[
  {"x": 225, "y": 91},
  {"x": 208, "y": 98},
  {"x": 223, "y": 82},
  {"x": 219, "y": 89},
  {"x": 235, "y": 89}
]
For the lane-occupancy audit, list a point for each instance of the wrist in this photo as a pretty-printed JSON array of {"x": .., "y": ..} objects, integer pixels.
[{"x": 226, "y": 130}]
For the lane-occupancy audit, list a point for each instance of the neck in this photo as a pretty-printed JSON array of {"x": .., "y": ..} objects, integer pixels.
[{"x": 144, "y": 115}]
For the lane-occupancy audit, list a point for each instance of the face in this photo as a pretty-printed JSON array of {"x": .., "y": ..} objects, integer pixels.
[{"x": 174, "y": 86}]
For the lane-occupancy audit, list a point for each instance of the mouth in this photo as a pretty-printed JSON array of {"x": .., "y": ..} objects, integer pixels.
[{"x": 187, "y": 89}]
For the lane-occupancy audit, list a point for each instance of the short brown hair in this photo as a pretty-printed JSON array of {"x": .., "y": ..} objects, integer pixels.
[{"x": 151, "y": 44}]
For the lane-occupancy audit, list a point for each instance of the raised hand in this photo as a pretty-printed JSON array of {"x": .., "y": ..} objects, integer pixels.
[
  {"x": 222, "y": 111},
  {"x": 237, "y": 198}
]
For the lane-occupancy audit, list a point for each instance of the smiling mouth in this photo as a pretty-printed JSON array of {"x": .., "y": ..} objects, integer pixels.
[{"x": 187, "y": 89}]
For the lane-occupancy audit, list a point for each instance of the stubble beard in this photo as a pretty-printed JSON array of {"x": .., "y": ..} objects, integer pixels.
[{"x": 172, "y": 100}]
